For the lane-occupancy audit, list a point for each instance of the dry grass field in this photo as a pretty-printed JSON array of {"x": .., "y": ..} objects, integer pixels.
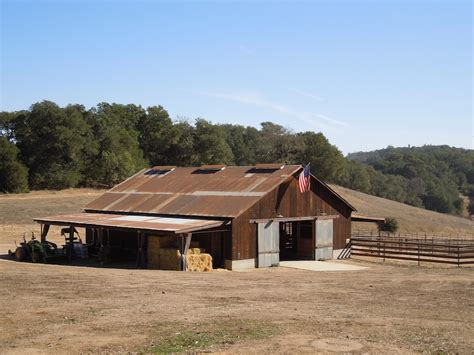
[
  {"x": 17, "y": 211},
  {"x": 388, "y": 308}
]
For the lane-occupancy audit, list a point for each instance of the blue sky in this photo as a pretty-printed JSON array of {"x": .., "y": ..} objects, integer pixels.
[{"x": 365, "y": 73}]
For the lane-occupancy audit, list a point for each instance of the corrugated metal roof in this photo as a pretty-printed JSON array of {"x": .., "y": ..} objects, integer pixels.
[
  {"x": 192, "y": 191},
  {"x": 146, "y": 223}
]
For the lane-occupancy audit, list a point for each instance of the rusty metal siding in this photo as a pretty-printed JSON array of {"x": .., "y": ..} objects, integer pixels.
[{"x": 287, "y": 201}]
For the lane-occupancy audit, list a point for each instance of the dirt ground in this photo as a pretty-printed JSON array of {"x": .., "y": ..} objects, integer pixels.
[{"x": 387, "y": 308}]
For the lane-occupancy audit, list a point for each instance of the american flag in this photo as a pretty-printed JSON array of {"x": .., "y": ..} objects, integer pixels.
[{"x": 305, "y": 179}]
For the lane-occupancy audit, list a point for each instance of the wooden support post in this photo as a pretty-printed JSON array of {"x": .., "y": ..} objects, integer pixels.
[
  {"x": 458, "y": 257},
  {"x": 418, "y": 254}
]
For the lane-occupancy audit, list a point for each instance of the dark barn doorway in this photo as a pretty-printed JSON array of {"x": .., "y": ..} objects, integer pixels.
[{"x": 297, "y": 240}]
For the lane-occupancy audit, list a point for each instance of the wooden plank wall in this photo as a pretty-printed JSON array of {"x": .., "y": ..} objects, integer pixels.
[{"x": 287, "y": 201}]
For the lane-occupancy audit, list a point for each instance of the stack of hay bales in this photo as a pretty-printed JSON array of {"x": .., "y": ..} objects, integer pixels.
[
  {"x": 153, "y": 249},
  {"x": 198, "y": 261},
  {"x": 163, "y": 254},
  {"x": 169, "y": 259}
]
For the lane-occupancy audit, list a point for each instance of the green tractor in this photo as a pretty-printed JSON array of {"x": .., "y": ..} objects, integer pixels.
[{"x": 35, "y": 250}]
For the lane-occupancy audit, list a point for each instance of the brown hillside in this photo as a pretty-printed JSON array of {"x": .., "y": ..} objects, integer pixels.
[
  {"x": 410, "y": 219},
  {"x": 18, "y": 210}
]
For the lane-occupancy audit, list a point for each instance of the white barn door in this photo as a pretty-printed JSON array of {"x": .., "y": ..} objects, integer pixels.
[
  {"x": 268, "y": 244},
  {"x": 324, "y": 239}
]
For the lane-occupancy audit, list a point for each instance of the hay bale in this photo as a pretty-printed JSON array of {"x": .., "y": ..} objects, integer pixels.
[
  {"x": 168, "y": 242},
  {"x": 199, "y": 262},
  {"x": 152, "y": 252},
  {"x": 206, "y": 260},
  {"x": 194, "y": 251},
  {"x": 163, "y": 253},
  {"x": 169, "y": 259}
]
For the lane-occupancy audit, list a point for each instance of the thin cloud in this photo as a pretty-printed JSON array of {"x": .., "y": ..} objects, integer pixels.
[
  {"x": 258, "y": 100},
  {"x": 332, "y": 120},
  {"x": 246, "y": 50},
  {"x": 307, "y": 94}
]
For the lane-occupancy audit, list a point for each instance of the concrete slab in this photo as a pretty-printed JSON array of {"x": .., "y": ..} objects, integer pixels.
[{"x": 322, "y": 265}]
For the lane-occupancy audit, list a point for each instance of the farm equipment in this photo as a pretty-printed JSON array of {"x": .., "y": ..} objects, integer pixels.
[
  {"x": 35, "y": 250},
  {"x": 42, "y": 251}
]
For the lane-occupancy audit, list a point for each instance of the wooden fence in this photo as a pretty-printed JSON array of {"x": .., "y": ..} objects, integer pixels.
[
  {"x": 420, "y": 235},
  {"x": 449, "y": 251}
]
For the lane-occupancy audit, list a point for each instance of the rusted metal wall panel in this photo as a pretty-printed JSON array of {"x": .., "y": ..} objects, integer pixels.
[{"x": 287, "y": 201}]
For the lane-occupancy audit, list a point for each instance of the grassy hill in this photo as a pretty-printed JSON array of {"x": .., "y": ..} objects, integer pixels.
[
  {"x": 18, "y": 210},
  {"x": 411, "y": 219}
]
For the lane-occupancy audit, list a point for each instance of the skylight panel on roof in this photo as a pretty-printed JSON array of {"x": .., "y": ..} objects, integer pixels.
[
  {"x": 209, "y": 169},
  {"x": 160, "y": 170},
  {"x": 265, "y": 168}
]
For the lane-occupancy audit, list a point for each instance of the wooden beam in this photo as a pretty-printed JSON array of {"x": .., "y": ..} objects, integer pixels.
[{"x": 291, "y": 219}]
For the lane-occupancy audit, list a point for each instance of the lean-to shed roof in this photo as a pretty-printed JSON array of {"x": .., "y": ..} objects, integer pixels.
[{"x": 143, "y": 223}]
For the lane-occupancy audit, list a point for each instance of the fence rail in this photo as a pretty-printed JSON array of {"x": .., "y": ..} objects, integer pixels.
[
  {"x": 419, "y": 235},
  {"x": 435, "y": 250}
]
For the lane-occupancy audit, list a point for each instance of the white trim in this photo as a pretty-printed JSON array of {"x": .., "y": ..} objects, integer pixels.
[{"x": 238, "y": 265}]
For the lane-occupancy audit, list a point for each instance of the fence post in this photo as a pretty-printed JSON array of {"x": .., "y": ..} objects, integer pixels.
[
  {"x": 418, "y": 254},
  {"x": 458, "y": 256}
]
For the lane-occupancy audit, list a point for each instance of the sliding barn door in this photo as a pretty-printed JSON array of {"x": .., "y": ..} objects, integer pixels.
[
  {"x": 268, "y": 244},
  {"x": 324, "y": 239}
]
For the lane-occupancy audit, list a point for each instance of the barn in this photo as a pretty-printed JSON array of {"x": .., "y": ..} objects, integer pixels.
[{"x": 243, "y": 216}]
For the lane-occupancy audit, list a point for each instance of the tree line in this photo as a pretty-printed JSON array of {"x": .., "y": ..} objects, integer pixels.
[
  {"x": 432, "y": 177},
  {"x": 52, "y": 147}
]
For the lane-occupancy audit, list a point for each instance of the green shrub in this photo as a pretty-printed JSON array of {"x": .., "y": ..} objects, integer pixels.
[{"x": 390, "y": 225}]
